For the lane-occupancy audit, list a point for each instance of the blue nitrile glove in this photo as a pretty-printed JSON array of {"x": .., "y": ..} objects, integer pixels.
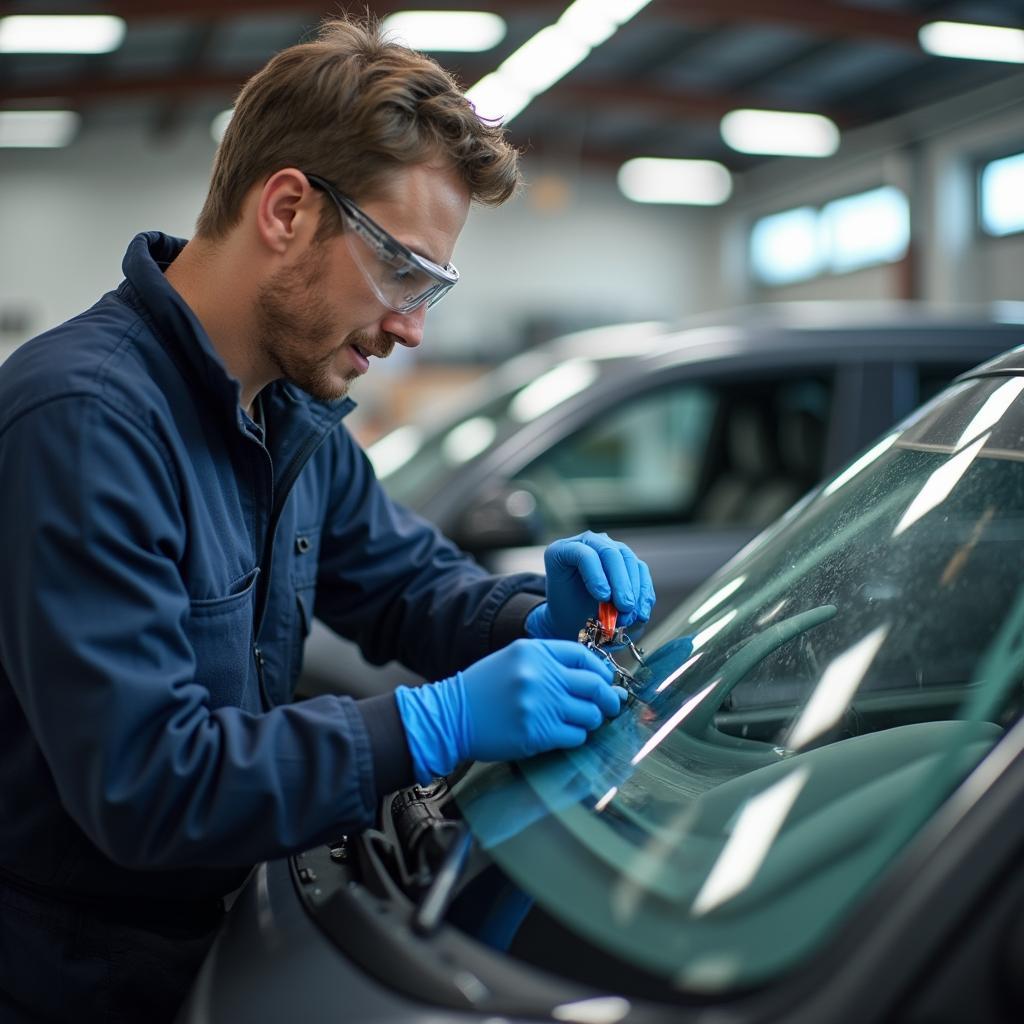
[
  {"x": 586, "y": 569},
  {"x": 531, "y": 696}
]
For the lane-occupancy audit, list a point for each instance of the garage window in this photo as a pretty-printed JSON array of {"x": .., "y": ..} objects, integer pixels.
[
  {"x": 845, "y": 234},
  {"x": 1001, "y": 196}
]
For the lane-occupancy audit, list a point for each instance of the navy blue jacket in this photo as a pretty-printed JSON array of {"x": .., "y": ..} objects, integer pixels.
[{"x": 161, "y": 566}]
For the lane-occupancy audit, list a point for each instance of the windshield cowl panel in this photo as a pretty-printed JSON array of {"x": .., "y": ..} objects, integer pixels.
[{"x": 798, "y": 719}]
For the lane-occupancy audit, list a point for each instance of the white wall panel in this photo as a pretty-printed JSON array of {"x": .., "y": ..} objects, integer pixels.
[{"x": 67, "y": 216}]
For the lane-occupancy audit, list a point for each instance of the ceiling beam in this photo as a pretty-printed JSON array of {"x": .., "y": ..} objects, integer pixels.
[
  {"x": 143, "y": 10},
  {"x": 679, "y": 103},
  {"x": 82, "y": 91},
  {"x": 818, "y": 16}
]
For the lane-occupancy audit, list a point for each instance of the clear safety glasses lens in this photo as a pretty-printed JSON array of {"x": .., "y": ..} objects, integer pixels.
[
  {"x": 400, "y": 282},
  {"x": 401, "y": 279}
]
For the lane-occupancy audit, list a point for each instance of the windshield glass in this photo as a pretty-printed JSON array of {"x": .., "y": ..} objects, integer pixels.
[{"x": 797, "y": 720}]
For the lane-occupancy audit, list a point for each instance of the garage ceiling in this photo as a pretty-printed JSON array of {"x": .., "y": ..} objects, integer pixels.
[{"x": 658, "y": 87}]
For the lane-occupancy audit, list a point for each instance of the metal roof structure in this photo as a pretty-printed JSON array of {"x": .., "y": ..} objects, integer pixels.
[{"x": 658, "y": 87}]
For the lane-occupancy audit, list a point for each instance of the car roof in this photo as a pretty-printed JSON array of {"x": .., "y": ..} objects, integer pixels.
[
  {"x": 790, "y": 326},
  {"x": 1011, "y": 362}
]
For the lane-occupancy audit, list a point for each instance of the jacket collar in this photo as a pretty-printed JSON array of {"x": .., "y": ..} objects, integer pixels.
[{"x": 181, "y": 333}]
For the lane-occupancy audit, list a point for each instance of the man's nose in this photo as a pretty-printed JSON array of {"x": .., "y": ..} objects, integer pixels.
[{"x": 407, "y": 328}]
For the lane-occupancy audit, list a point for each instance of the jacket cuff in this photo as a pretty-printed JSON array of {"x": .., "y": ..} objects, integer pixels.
[
  {"x": 389, "y": 749},
  {"x": 510, "y": 622}
]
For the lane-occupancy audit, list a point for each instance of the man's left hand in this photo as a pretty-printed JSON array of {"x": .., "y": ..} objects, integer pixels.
[{"x": 582, "y": 571}]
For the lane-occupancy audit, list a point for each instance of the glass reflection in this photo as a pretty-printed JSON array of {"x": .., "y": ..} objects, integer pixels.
[{"x": 772, "y": 764}]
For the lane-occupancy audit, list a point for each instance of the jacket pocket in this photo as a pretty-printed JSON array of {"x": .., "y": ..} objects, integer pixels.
[{"x": 220, "y": 631}]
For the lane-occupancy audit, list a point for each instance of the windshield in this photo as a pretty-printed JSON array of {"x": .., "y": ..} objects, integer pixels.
[{"x": 797, "y": 720}]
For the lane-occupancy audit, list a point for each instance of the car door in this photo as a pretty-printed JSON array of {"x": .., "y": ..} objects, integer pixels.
[{"x": 685, "y": 471}]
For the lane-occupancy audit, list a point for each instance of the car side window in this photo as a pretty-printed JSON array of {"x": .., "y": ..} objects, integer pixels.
[{"x": 711, "y": 452}]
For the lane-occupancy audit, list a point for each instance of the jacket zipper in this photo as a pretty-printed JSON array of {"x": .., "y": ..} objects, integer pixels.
[
  {"x": 279, "y": 495},
  {"x": 260, "y": 662}
]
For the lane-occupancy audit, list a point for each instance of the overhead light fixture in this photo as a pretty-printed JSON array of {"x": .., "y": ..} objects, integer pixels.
[
  {"x": 973, "y": 42},
  {"x": 451, "y": 31},
  {"x": 219, "y": 125},
  {"x": 543, "y": 59},
  {"x": 497, "y": 99},
  {"x": 687, "y": 182},
  {"x": 594, "y": 21},
  {"x": 780, "y": 133},
  {"x": 37, "y": 129},
  {"x": 548, "y": 56},
  {"x": 61, "y": 33}
]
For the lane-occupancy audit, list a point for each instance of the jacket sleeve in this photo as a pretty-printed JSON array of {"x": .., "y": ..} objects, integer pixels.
[
  {"x": 92, "y": 640},
  {"x": 390, "y": 581}
]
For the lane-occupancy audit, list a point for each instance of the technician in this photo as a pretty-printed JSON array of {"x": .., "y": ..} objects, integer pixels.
[{"x": 180, "y": 498}]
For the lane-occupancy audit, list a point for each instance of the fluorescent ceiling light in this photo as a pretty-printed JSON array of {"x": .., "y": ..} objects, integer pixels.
[
  {"x": 37, "y": 129},
  {"x": 549, "y": 55},
  {"x": 496, "y": 98},
  {"x": 219, "y": 125},
  {"x": 543, "y": 59},
  {"x": 689, "y": 182},
  {"x": 451, "y": 31},
  {"x": 973, "y": 42},
  {"x": 59, "y": 33},
  {"x": 780, "y": 133}
]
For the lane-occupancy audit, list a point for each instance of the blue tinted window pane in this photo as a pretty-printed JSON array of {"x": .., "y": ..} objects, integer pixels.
[
  {"x": 865, "y": 229},
  {"x": 784, "y": 247},
  {"x": 1002, "y": 195}
]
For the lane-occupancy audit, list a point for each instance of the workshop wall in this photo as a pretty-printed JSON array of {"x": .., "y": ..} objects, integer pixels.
[
  {"x": 934, "y": 156},
  {"x": 569, "y": 252}
]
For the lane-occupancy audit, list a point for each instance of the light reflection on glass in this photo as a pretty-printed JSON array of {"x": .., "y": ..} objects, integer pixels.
[
  {"x": 716, "y": 627},
  {"x": 599, "y": 1010},
  {"x": 992, "y": 411},
  {"x": 861, "y": 464},
  {"x": 755, "y": 830},
  {"x": 552, "y": 388},
  {"x": 766, "y": 617},
  {"x": 939, "y": 485},
  {"x": 687, "y": 709},
  {"x": 837, "y": 686},
  {"x": 394, "y": 450},
  {"x": 670, "y": 679},
  {"x": 718, "y": 597},
  {"x": 468, "y": 439}
]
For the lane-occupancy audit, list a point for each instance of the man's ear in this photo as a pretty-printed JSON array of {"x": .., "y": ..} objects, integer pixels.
[{"x": 287, "y": 210}]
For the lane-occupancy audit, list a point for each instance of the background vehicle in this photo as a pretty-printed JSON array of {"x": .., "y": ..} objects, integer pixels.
[
  {"x": 681, "y": 442},
  {"x": 809, "y": 812}
]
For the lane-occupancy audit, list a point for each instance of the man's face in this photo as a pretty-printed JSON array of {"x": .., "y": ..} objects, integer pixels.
[{"x": 320, "y": 322}]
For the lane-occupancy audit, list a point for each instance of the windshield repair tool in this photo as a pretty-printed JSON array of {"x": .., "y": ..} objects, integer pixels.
[{"x": 601, "y": 632}]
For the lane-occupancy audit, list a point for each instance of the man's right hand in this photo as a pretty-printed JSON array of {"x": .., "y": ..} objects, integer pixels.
[{"x": 531, "y": 696}]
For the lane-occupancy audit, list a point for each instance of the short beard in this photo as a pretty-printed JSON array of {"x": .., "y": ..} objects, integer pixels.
[{"x": 294, "y": 324}]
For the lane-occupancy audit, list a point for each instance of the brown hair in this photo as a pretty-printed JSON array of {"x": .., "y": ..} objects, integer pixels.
[{"x": 351, "y": 107}]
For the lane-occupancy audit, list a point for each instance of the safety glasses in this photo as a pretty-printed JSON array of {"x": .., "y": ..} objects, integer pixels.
[{"x": 402, "y": 279}]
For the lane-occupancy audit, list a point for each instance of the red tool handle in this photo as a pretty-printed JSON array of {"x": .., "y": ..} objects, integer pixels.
[{"x": 607, "y": 615}]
